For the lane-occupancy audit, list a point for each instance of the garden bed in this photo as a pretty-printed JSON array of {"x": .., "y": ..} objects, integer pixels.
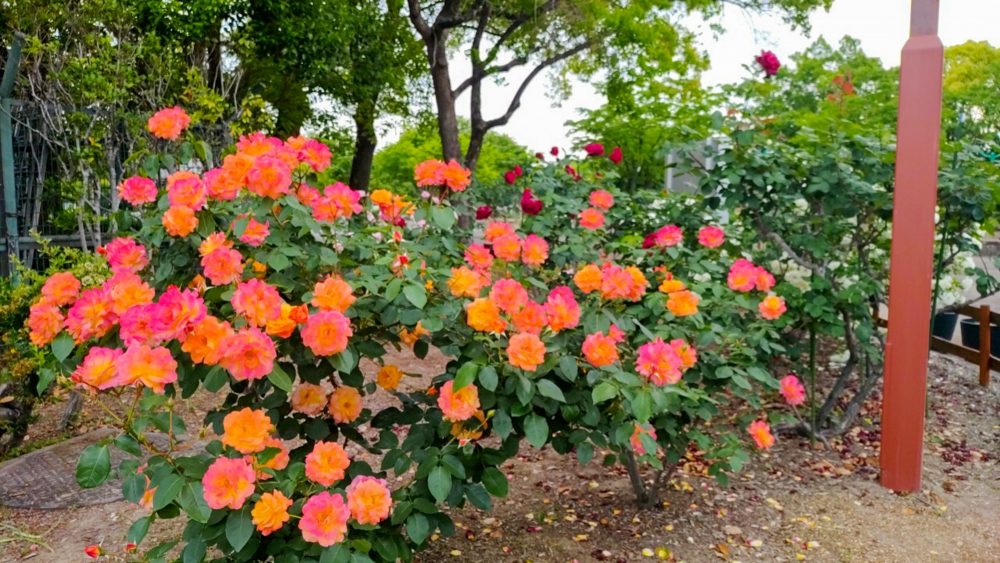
[{"x": 793, "y": 502}]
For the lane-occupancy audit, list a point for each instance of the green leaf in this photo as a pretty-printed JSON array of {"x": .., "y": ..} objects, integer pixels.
[
  {"x": 278, "y": 261},
  {"x": 567, "y": 366},
  {"x": 338, "y": 553},
  {"x": 478, "y": 496},
  {"x": 536, "y": 429},
  {"x": 549, "y": 389},
  {"x": 418, "y": 527},
  {"x": 444, "y": 217},
  {"x": 344, "y": 362},
  {"x": 495, "y": 482},
  {"x": 167, "y": 490},
  {"x": 133, "y": 487},
  {"x": 216, "y": 378},
  {"x": 62, "y": 346},
  {"x": 416, "y": 294},
  {"x": 584, "y": 453},
  {"x": 194, "y": 551},
  {"x": 192, "y": 500},
  {"x": 94, "y": 466},
  {"x": 603, "y": 392},
  {"x": 466, "y": 375},
  {"x": 239, "y": 528},
  {"x": 642, "y": 405},
  {"x": 128, "y": 444},
  {"x": 488, "y": 378},
  {"x": 454, "y": 466},
  {"x": 137, "y": 531},
  {"x": 439, "y": 483},
  {"x": 392, "y": 288},
  {"x": 502, "y": 424},
  {"x": 45, "y": 378},
  {"x": 280, "y": 379}
]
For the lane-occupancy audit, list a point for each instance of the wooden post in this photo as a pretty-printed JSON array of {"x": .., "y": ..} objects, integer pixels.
[
  {"x": 985, "y": 347},
  {"x": 911, "y": 258}
]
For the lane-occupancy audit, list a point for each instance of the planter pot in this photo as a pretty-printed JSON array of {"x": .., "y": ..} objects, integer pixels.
[
  {"x": 970, "y": 336},
  {"x": 944, "y": 324}
]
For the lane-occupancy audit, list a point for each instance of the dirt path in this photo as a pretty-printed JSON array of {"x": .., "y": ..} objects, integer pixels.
[{"x": 793, "y": 503}]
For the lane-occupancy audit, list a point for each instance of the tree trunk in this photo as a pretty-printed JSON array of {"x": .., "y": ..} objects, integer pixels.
[
  {"x": 437, "y": 57},
  {"x": 365, "y": 141}
]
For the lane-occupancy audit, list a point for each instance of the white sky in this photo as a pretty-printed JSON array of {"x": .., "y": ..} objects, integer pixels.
[{"x": 882, "y": 26}]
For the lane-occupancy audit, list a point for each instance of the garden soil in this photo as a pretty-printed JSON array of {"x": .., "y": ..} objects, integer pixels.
[{"x": 796, "y": 502}]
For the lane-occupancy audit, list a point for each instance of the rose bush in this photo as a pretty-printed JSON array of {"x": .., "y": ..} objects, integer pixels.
[{"x": 568, "y": 319}]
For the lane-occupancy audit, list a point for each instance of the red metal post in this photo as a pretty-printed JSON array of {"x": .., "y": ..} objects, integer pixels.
[{"x": 911, "y": 258}]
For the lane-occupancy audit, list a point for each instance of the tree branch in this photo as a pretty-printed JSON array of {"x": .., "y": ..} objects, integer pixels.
[
  {"x": 515, "y": 102},
  {"x": 419, "y": 23},
  {"x": 787, "y": 249},
  {"x": 489, "y": 72}
]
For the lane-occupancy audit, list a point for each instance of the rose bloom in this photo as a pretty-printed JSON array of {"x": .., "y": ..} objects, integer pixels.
[
  {"x": 742, "y": 276},
  {"x": 277, "y": 462},
  {"x": 687, "y": 354},
  {"x": 258, "y": 301},
  {"x": 60, "y": 289},
  {"x": 711, "y": 237},
  {"x": 429, "y": 173},
  {"x": 659, "y": 362},
  {"x": 223, "y": 266},
  {"x": 204, "y": 341},
  {"x": 179, "y": 221},
  {"x": 600, "y": 350},
  {"x": 125, "y": 254},
  {"x": 666, "y": 236},
  {"x": 525, "y": 351},
  {"x": 456, "y": 176},
  {"x": 177, "y": 312},
  {"x": 137, "y": 190},
  {"x": 168, "y": 123},
  {"x": 214, "y": 242},
  {"x": 530, "y": 318},
  {"x": 185, "y": 189},
  {"x": 284, "y": 325},
  {"x": 509, "y": 295},
  {"x": 561, "y": 309},
  {"x": 345, "y": 404},
  {"x": 93, "y": 551},
  {"x": 308, "y": 398},
  {"x": 478, "y": 257},
  {"x": 326, "y": 333},
  {"x": 671, "y": 284},
  {"x": 636, "y": 439},
  {"x": 388, "y": 377},
  {"x": 465, "y": 282},
  {"x": 98, "y": 368},
  {"x": 248, "y": 354},
  {"x": 333, "y": 294},
  {"x": 135, "y": 325},
  {"x": 460, "y": 405},
  {"x": 326, "y": 463},
  {"x": 271, "y": 512},
  {"x": 410, "y": 337},
  {"x": 507, "y": 247},
  {"x": 91, "y": 315},
  {"x": 483, "y": 315},
  {"x": 497, "y": 229},
  {"x": 534, "y": 250},
  {"x": 222, "y": 184},
  {"x": 588, "y": 278},
  {"x": 768, "y": 62},
  {"x": 45, "y": 321},
  {"x": 616, "y": 155},
  {"x": 153, "y": 367},
  {"x": 228, "y": 483},
  {"x": 324, "y": 519},
  {"x": 792, "y": 390},
  {"x": 764, "y": 280},
  {"x": 369, "y": 499},
  {"x": 683, "y": 303},
  {"x": 530, "y": 205},
  {"x": 760, "y": 431},
  {"x": 594, "y": 149},
  {"x": 126, "y": 290},
  {"x": 602, "y": 199},
  {"x": 269, "y": 177},
  {"x": 247, "y": 430},
  {"x": 619, "y": 283},
  {"x": 591, "y": 218},
  {"x": 255, "y": 232},
  {"x": 772, "y": 307},
  {"x": 483, "y": 212}
]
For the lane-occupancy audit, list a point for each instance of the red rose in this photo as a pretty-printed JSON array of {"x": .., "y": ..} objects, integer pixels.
[
  {"x": 539, "y": 156},
  {"x": 554, "y": 151},
  {"x": 484, "y": 212},
  {"x": 616, "y": 155},
  {"x": 92, "y": 551},
  {"x": 594, "y": 149},
  {"x": 530, "y": 205},
  {"x": 509, "y": 176},
  {"x": 769, "y": 62},
  {"x": 518, "y": 171}
]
